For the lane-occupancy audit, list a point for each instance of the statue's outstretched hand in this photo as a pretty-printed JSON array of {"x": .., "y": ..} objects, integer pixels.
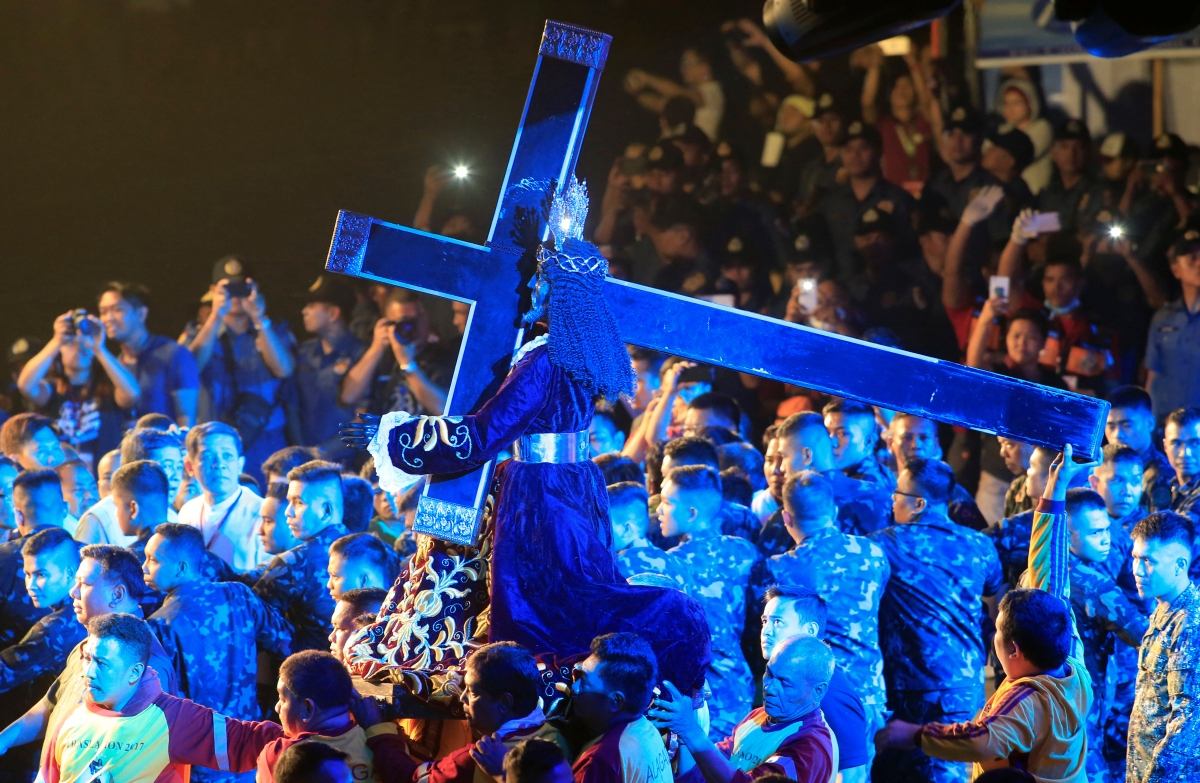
[{"x": 359, "y": 434}]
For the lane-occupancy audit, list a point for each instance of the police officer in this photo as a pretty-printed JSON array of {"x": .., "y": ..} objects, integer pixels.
[
  {"x": 843, "y": 206},
  {"x": 27, "y": 668},
  {"x": 323, "y": 361},
  {"x": 243, "y": 358},
  {"x": 960, "y": 181},
  {"x": 1072, "y": 192}
]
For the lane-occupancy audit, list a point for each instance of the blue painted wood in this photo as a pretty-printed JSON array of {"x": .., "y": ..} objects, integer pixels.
[{"x": 845, "y": 367}]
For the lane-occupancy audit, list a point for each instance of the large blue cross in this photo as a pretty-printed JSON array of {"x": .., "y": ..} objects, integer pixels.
[{"x": 492, "y": 279}]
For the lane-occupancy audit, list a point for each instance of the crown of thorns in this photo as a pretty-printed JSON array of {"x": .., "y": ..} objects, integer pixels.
[{"x": 573, "y": 261}]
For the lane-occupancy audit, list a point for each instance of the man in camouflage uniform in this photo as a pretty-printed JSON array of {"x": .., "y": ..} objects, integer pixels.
[
  {"x": 1131, "y": 423},
  {"x": 211, "y": 630},
  {"x": 733, "y": 519},
  {"x": 929, "y": 623},
  {"x": 1119, "y": 481},
  {"x": 805, "y": 444},
  {"x": 911, "y": 437},
  {"x": 1181, "y": 436},
  {"x": 51, "y": 558},
  {"x": 629, "y": 515},
  {"x": 855, "y": 434},
  {"x": 1103, "y": 615},
  {"x": 847, "y": 571},
  {"x": 1017, "y": 457},
  {"x": 28, "y": 667},
  {"x": 1011, "y": 534},
  {"x": 294, "y": 583},
  {"x": 1164, "y": 729},
  {"x": 39, "y": 505},
  {"x": 715, "y": 570}
]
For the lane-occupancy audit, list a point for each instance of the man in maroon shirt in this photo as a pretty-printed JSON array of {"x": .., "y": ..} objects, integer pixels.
[
  {"x": 500, "y": 700},
  {"x": 786, "y": 736},
  {"x": 611, "y": 691}
]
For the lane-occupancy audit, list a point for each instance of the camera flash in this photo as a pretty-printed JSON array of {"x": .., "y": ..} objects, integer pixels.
[
  {"x": 1115, "y": 232},
  {"x": 807, "y": 285},
  {"x": 565, "y": 224},
  {"x": 461, "y": 172}
]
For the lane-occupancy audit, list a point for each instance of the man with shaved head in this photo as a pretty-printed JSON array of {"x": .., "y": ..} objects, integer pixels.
[
  {"x": 804, "y": 443},
  {"x": 911, "y": 437},
  {"x": 295, "y": 581},
  {"x": 786, "y": 736}
]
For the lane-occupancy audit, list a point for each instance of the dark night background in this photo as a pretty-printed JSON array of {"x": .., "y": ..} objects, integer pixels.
[{"x": 144, "y": 139}]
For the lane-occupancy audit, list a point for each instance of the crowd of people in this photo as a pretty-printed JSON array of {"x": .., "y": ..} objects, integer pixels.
[{"x": 190, "y": 548}]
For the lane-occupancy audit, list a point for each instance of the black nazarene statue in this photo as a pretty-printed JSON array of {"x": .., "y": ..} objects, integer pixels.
[{"x": 546, "y": 578}]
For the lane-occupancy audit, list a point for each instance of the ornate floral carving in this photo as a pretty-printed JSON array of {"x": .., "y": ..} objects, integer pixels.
[
  {"x": 349, "y": 243},
  {"x": 447, "y": 521},
  {"x": 575, "y": 44},
  {"x": 436, "y": 613}
]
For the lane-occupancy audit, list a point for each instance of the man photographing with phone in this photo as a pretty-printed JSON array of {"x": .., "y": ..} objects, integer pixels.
[{"x": 406, "y": 367}]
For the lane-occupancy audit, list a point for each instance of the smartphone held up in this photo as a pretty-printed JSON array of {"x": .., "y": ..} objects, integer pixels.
[{"x": 806, "y": 293}]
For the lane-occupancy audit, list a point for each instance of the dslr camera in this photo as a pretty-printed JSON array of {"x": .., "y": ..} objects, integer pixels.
[
  {"x": 405, "y": 331},
  {"x": 80, "y": 323}
]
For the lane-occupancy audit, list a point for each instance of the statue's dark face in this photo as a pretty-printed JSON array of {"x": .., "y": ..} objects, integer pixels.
[{"x": 539, "y": 285}]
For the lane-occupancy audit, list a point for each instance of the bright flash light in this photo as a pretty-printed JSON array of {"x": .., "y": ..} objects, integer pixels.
[
  {"x": 565, "y": 224},
  {"x": 807, "y": 285},
  {"x": 1116, "y": 232},
  {"x": 461, "y": 172}
]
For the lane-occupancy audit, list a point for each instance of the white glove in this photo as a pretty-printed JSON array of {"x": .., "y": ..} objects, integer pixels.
[
  {"x": 982, "y": 205},
  {"x": 1023, "y": 227}
]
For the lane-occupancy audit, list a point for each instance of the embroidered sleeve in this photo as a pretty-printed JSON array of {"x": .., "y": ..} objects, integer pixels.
[{"x": 407, "y": 446}]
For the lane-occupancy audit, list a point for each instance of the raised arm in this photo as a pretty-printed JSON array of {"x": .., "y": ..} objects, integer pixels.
[
  {"x": 870, "y": 90},
  {"x": 1012, "y": 258},
  {"x": 797, "y": 77},
  {"x": 357, "y": 383},
  {"x": 659, "y": 420},
  {"x": 206, "y": 338},
  {"x": 1048, "y": 541},
  {"x": 977, "y": 344},
  {"x": 925, "y": 101},
  {"x": 276, "y": 353},
  {"x": 615, "y": 199},
  {"x": 637, "y": 80},
  {"x": 32, "y": 380},
  {"x": 956, "y": 290},
  {"x": 1156, "y": 297},
  {"x": 435, "y": 179},
  {"x": 126, "y": 390}
]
